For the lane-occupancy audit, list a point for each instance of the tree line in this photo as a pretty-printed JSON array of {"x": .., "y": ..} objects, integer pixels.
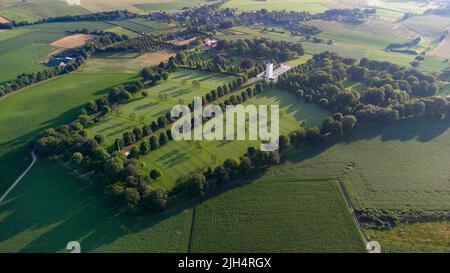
[
  {"x": 391, "y": 92},
  {"x": 79, "y": 56}
]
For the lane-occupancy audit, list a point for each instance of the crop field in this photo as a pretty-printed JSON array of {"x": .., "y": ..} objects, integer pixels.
[
  {"x": 161, "y": 98},
  {"x": 179, "y": 158},
  {"x": 300, "y": 217},
  {"x": 140, "y": 25},
  {"x": 36, "y": 9},
  {"x": 429, "y": 25},
  {"x": 399, "y": 166},
  {"x": 51, "y": 103},
  {"x": 33, "y": 222},
  {"x": 418, "y": 237},
  {"x": 23, "y": 51},
  {"x": 312, "y": 6}
]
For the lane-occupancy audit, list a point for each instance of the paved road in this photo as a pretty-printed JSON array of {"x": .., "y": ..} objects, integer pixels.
[{"x": 33, "y": 155}]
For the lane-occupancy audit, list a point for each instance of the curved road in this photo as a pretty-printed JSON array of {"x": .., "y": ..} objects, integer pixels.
[{"x": 33, "y": 155}]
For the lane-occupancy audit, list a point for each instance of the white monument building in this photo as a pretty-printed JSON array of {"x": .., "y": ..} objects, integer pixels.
[{"x": 269, "y": 71}]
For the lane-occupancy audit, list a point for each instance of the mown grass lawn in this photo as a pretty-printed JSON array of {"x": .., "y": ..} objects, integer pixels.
[
  {"x": 180, "y": 158},
  {"x": 178, "y": 89}
]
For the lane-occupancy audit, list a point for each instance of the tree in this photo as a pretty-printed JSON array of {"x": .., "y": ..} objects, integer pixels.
[
  {"x": 155, "y": 201},
  {"x": 283, "y": 143},
  {"x": 313, "y": 136},
  {"x": 77, "y": 158},
  {"x": 134, "y": 153},
  {"x": 154, "y": 174},
  {"x": 144, "y": 147},
  {"x": 100, "y": 139},
  {"x": 131, "y": 196},
  {"x": 245, "y": 165},
  {"x": 153, "y": 143},
  {"x": 348, "y": 123}
]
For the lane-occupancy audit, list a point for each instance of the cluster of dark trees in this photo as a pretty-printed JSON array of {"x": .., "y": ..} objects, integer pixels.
[
  {"x": 141, "y": 44},
  {"x": 116, "y": 175},
  {"x": 351, "y": 16},
  {"x": 98, "y": 16},
  {"x": 79, "y": 56},
  {"x": 392, "y": 92},
  {"x": 279, "y": 51}
]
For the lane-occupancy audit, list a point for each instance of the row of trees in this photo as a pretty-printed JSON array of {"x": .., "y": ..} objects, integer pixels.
[
  {"x": 389, "y": 88},
  {"x": 139, "y": 135},
  {"x": 142, "y": 44}
]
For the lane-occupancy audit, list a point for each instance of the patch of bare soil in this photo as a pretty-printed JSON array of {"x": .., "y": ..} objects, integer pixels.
[
  {"x": 73, "y": 41},
  {"x": 183, "y": 42}
]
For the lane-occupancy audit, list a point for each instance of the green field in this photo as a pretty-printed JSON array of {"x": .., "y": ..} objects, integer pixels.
[
  {"x": 273, "y": 215},
  {"x": 25, "y": 114},
  {"x": 140, "y": 25},
  {"x": 312, "y": 6},
  {"x": 240, "y": 219},
  {"x": 154, "y": 105},
  {"x": 179, "y": 158},
  {"x": 37, "y": 9}
]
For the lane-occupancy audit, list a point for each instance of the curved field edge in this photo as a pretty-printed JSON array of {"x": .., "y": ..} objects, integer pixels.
[{"x": 26, "y": 113}]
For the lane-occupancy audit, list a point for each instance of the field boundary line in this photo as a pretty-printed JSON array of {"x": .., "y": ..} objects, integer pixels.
[
  {"x": 33, "y": 155},
  {"x": 350, "y": 205},
  {"x": 192, "y": 229}
]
